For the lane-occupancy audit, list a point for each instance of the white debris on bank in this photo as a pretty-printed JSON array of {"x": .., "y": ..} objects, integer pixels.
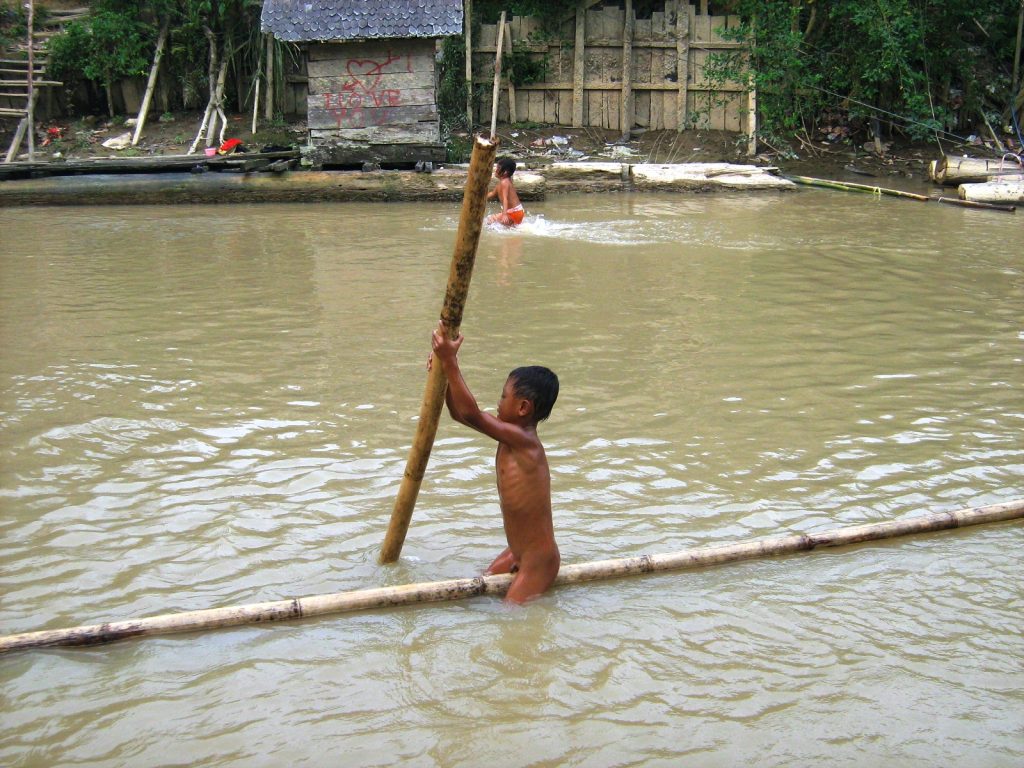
[
  {"x": 658, "y": 177},
  {"x": 705, "y": 176}
]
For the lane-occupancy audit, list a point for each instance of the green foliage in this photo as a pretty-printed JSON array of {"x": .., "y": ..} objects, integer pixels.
[
  {"x": 106, "y": 46},
  {"x": 70, "y": 52},
  {"x": 918, "y": 63},
  {"x": 452, "y": 87},
  {"x": 13, "y": 25},
  {"x": 523, "y": 67}
]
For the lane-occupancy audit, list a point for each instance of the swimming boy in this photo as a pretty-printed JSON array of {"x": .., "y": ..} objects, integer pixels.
[
  {"x": 512, "y": 212},
  {"x": 524, "y": 480}
]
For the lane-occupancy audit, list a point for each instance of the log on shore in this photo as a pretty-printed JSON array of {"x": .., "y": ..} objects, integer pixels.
[
  {"x": 286, "y": 187},
  {"x": 457, "y": 589},
  {"x": 974, "y": 204},
  {"x": 1005, "y": 193},
  {"x": 953, "y": 170},
  {"x": 118, "y": 165}
]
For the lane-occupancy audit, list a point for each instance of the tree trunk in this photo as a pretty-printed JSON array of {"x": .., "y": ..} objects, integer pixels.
[{"x": 954, "y": 170}]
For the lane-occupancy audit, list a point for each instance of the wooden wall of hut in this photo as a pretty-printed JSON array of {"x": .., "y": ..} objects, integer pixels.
[
  {"x": 664, "y": 87},
  {"x": 373, "y": 94}
]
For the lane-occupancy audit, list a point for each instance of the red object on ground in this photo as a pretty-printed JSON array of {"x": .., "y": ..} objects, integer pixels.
[{"x": 229, "y": 146}]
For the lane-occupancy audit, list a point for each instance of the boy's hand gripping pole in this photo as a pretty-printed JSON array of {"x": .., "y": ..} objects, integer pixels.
[{"x": 474, "y": 202}]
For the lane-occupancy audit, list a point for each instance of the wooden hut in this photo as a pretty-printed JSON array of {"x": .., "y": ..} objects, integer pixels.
[{"x": 372, "y": 77}]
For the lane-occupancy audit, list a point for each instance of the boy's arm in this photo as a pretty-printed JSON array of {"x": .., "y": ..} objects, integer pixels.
[
  {"x": 461, "y": 403},
  {"x": 503, "y": 196}
]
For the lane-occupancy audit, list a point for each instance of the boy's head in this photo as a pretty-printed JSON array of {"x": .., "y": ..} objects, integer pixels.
[
  {"x": 505, "y": 167},
  {"x": 537, "y": 384}
]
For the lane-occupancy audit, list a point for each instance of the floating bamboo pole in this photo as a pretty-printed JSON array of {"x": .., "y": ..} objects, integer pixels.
[
  {"x": 976, "y": 204},
  {"x": 458, "y": 589},
  {"x": 474, "y": 201},
  {"x": 849, "y": 187}
]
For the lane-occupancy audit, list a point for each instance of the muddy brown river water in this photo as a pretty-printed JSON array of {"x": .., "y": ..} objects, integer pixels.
[{"x": 205, "y": 406}]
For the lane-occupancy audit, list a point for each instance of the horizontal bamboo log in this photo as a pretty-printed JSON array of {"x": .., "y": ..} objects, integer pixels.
[
  {"x": 457, "y": 589},
  {"x": 993, "y": 192},
  {"x": 850, "y": 187},
  {"x": 975, "y": 204}
]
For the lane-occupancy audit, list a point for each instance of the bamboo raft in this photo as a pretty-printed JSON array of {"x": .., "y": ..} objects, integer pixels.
[{"x": 458, "y": 589}]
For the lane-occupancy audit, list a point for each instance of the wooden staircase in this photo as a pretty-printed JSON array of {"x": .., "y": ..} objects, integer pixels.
[{"x": 15, "y": 98}]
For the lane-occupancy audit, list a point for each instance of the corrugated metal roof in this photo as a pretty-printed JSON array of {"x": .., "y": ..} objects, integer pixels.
[{"x": 307, "y": 20}]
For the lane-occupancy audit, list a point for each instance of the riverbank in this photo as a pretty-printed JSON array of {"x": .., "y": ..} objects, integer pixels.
[
  {"x": 215, "y": 180},
  {"x": 533, "y": 145}
]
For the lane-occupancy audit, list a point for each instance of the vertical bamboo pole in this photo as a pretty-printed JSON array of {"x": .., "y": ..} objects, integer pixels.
[
  {"x": 577, "y": 67},
  {"x": 255, "y": 102},
  {"x": 626, "y": 105},
  {"x": 151, "y": 84},
  {"x": 474, "y": 201},
  {"x": 682, "y": 61},
  {"x": 30, "y": 113},
  {"x": 513, "y": 116},
  {"x": 468, "y": 21},
  {"x": 752, "y": 102},
  {"x": 268, "y": 108},
  {"x": 496, "y": 90}
]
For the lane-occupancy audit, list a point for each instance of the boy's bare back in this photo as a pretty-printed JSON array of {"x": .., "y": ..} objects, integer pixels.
[{"x": 523, "y": 476}]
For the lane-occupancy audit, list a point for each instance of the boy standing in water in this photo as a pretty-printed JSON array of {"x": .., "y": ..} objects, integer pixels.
[
  {"x": 524, "y": 480},
  {"x": 512, "y": 212}
]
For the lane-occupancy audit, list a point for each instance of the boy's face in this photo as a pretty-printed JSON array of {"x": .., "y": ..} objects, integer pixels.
[{"x": 511, "y": 407}]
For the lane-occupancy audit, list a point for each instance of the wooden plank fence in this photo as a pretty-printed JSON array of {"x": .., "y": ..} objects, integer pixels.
[{"x": 608, "y": 69}]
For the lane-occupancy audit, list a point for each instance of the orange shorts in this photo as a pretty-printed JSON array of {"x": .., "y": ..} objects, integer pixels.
[{"x": 517, "y": 215}]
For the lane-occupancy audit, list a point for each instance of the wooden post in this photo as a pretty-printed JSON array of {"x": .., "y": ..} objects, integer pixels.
[
  {"x": 458, "y": 589},
  {"x": 31, "y": 100},
  {"x": 268, "y": 108},
  {"x": 512, "y": 115},
  {"x": 151, "y": 83},
  {"x": 496, "y": 90},
  {"x": 468, "y": 23},
  {"x": 474, "y": 201},
  {"x": 682, "y": 62},
  {"x": 626, "y": 107},
  {"x": 577, "y": 67}
]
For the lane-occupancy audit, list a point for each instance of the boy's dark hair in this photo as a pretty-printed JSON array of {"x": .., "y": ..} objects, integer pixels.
[
  {"x": 506, "y": 165},
  {"x": 537, "y": 384}
]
